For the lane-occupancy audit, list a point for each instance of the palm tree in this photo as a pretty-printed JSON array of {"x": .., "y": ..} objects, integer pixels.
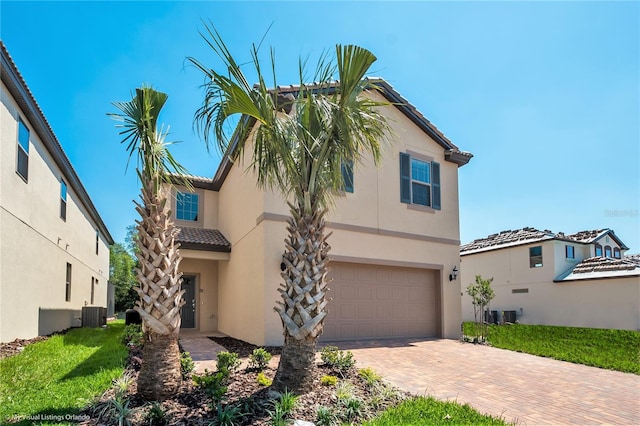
[
  {"x": 302, "y": 139},
  {"x": 158, "y": 277}
]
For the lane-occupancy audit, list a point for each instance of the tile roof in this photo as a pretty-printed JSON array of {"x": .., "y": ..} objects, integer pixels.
[
  {"x": 511, "y": 238},
  {"x": 202, "y": 239},
  {"x": 587, "y": 236},
  {"x": 604, "y": 267},
  {"x": 601, "y": 264},
  {"x": 507, "y": 239}
]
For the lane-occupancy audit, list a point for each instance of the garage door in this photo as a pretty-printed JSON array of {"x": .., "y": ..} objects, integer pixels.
[{"x": 378, "y": 302}]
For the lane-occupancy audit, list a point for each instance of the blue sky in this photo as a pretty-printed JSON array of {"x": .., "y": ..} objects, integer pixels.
[{"x": 546, "y": 95}]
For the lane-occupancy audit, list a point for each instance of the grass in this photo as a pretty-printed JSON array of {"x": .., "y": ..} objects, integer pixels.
[
  {"x": 610, "y": 349},
  {"x": 52, "y": 380},
  {"x": 429, "y": 411}
]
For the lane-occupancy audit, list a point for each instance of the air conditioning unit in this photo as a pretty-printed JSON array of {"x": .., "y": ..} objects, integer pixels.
[
  {"x": 94, "y": 316},
  {"x": 491, "y": 317},
  {"x": 509, "y": 316}
]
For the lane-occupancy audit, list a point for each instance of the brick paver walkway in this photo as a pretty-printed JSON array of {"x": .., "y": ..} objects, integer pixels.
[{"x": 522, "y": 388}]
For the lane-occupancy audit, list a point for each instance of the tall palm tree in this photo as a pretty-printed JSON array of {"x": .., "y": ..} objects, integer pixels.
[
  {"x": 158, "y": 277},
  {"x": 301, "y": 141}
]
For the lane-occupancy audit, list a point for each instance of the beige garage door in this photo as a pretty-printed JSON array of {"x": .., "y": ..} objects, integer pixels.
[{"x": 377, "y": 302}]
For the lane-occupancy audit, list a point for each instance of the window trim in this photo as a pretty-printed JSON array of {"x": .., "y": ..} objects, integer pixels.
[
  {"x": 407, "y": 181},
  {"x": 22, "y": 149},
  {"x": 533, "y": 258},
  {"x": 174, "y": 204}
]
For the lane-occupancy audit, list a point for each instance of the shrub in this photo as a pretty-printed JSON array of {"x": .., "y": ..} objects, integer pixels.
[
  {"x": 228, "y": 361},
  {"x": 259, "y": 359},
  {"x": 186, "y": 364},
  {"x": 337, "y": 360},
  {"x": 329, "y": 380},
  {"x": 156, "y": 415},
  {"x": 369, "y": 375},
  {"x": 132, "y": 335},
  {"x": 352, "y": 408},
  {"x": 213, "y": 384},
  {"x": 263, "y": 380}
]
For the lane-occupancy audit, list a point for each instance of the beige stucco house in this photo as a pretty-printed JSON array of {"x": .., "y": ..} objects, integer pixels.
[
  {"x": 395, "y": 240},
  {"x": 54, "y": 254},
  {"x": 540, "y": 277}
]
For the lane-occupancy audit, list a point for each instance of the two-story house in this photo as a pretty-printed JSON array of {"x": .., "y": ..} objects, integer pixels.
[
  {"x": 539, "y": 277},
  {"x": 395, "y": 241},
  {"x": 54, "y": 254}
]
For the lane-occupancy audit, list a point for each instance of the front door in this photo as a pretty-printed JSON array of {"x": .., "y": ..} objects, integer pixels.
[{"x": 188, "y": 312}]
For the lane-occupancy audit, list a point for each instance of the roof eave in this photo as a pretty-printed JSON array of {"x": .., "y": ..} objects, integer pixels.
[{"x": 11, "y": 77}]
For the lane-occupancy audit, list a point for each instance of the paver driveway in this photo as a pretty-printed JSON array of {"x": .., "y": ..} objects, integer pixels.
[{"x": 522, "y": 388}]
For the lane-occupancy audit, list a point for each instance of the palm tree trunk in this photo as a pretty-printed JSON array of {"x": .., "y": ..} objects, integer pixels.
[
  {"x": 304, "y": 300},
  {"x": 159, "y": 379},
  {"x": 160, "y": 296}
]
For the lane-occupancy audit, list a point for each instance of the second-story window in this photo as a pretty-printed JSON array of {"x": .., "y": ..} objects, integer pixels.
[
  {"x": 598, "y": 250},
  {"x": 187, "y": 206},
  {"x": 607, "y": 251},
  {"x": 616, "y": 252},
  {"x": 63, "y": 200},
  {"x": 347, "y": 175},
  {"x": 97, "y": 240},
  {"x": 22, "y": 161},
  {"x": 535, "y": 257},
  {"x": 419, "y": 182},
  {"x": 569, "y": 252}
]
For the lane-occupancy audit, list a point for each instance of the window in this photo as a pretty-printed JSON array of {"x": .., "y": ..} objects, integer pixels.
[
  {"x": 616, "y": 252},
  {"x": 22, "y": 162},
  {"x": 93, "y": 285},
  {"x": 187, "y": 206},
  {"x": 97, "y": 240},
  {"x": 607, "y": 251},
  {"x": 67, "y": 292},
  {"x": 63, "y": 200},
  {"x": 347, "y": 175},
  {"x": 569, "y": 252},
  {"x": 419, "y": 182},
  {"x": 535, "y": 257},
  {"x": 598, "y": 250}
]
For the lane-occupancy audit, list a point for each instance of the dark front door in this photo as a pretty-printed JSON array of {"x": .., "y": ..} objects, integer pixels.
[{"x": 188, "y": 312}]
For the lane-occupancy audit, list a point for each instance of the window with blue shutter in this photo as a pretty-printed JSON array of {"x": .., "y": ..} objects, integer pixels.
[
  {"x": 347, "y": 175},
  {"x": 419, "y": 182}
]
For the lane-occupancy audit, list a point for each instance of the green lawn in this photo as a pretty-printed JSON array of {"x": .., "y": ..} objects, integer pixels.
[
  {"x": 611, "y": 349},
  {"x": 429, "y": 411},
  {"x": 57, "y": 377}
]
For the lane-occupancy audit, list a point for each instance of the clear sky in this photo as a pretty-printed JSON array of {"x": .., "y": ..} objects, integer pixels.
[{"x": 546, "y": 95}]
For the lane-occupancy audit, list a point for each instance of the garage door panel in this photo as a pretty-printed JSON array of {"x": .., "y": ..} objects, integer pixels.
[{"x": 372, "y": 301}]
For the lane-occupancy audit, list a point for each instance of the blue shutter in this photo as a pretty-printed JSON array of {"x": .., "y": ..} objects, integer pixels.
[
  {"x": 347, "y": 175},
  {"x": 405, "y": 178},
  {"x": 435, "y": 184}
]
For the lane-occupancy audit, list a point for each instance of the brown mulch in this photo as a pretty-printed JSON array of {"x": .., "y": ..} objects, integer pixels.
[
  {"x": 17, "y": 346},
  {"x": 192, "y": 406}
]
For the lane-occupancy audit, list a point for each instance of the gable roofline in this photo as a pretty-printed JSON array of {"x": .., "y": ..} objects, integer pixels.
[
  {"x": 11, "y": 77},
  {"x": 452, "y": 152}
]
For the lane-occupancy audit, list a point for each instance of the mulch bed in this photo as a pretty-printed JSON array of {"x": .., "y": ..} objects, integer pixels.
[
  {"x": 192, "y": 406},
  {"x": 17, "y": 346}
]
